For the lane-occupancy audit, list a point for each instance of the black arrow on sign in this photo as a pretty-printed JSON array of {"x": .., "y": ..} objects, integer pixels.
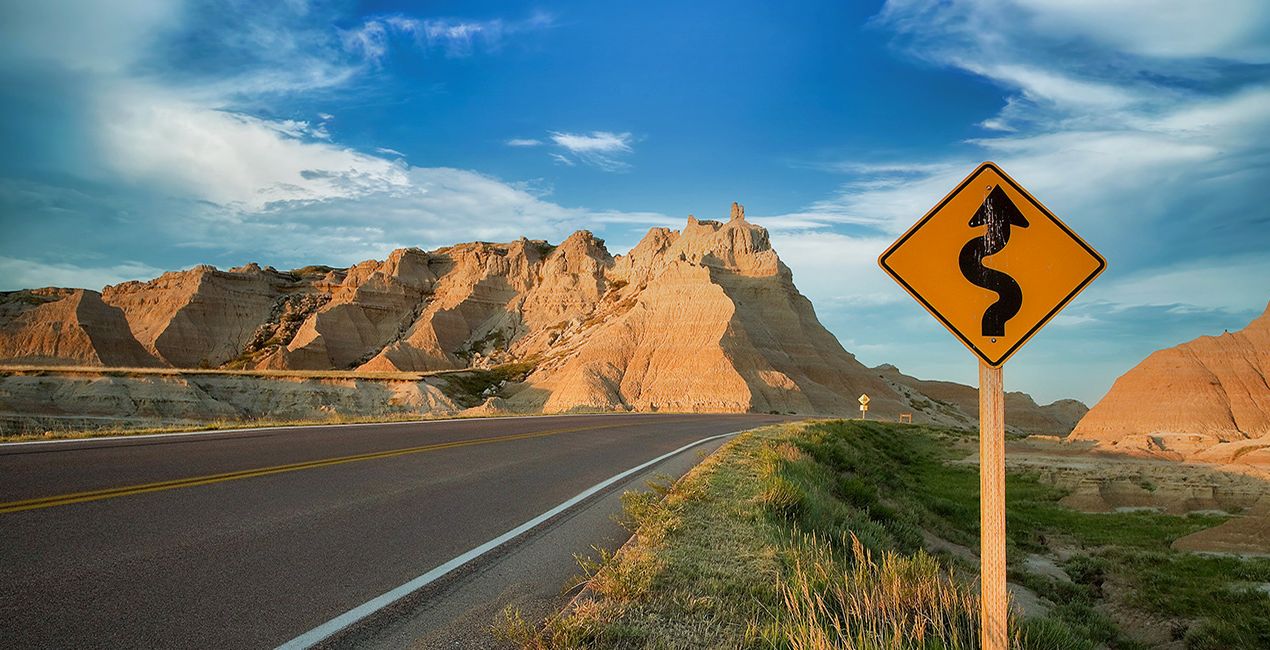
[{"x": 998, "y": 213}]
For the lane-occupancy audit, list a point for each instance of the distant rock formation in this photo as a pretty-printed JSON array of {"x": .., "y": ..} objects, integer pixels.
[
  {"x": 1207, "y": 399},
  {"x": 961, "y": 402},
  {"x": 703, "y": 319}
]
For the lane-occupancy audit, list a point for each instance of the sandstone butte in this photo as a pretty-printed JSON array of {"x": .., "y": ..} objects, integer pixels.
[
  {"x": 704, "y": 319},
  {"x": 1206, "y": 399}
]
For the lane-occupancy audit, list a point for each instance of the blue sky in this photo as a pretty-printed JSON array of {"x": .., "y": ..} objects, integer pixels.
[{"x": 149, "y": 136}]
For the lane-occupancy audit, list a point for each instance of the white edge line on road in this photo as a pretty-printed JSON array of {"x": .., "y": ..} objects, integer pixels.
[
  {"x": 178, "y": 434},
  {"x": 343, "y": 621}
]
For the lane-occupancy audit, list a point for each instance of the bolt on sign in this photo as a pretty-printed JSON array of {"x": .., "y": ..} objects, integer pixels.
[{"x": 994, "y": 266}]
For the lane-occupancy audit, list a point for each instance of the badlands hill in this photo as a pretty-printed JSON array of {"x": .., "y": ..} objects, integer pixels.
[
  {"x": 703, "y": 319},
  {"x": 1207, "y": 399}
]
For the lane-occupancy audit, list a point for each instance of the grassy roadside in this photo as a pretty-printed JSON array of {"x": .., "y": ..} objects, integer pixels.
[{"x": 813, "y": 535}]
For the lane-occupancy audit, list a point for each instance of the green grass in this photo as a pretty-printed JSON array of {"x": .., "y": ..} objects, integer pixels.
[
  {"x": 811, "y": 536},
  {"x": 469, "y": 387}
]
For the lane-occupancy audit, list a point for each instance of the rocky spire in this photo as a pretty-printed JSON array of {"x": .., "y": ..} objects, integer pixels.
[{"x": 738, "y": 212}]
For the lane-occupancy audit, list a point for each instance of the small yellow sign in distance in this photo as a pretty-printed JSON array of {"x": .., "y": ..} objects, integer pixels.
[
  {"x": 864, "y": 400},
  {"x": 992, "y": 264}
]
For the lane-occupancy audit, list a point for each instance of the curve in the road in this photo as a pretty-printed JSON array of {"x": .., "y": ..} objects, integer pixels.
[{"x": 369, "y": 608}]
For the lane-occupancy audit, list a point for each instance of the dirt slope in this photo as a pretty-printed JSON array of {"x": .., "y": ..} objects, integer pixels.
[{"x": 1206, "y": 399}]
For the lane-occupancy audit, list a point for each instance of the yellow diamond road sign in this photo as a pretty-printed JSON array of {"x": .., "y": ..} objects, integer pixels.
[{"x": 992, "y": 263}]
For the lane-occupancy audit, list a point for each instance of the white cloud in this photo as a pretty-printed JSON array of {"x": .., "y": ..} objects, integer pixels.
[
  {"x": 596, "y": 142},
  {"x": 456, "y": 38},
  {"x": 1232, "y": 284},
  {"x": 836, "y": 270},
  {"x": 1165, "y": 29},
  {"x": 523, "y": 142},
  {"x": 562, "y": 159},
  {"x": 370, "y": 41},
  {"x": 93, "y": 37},
  {"x": 1041, "y": 85},
  {"x": 1162, "y": 28},
  {"x": 20, "y": 273},
  {"x": 598, "y": 148},
  {"x": 438, "y": 206},
  {"x": 229, "y": 158}
]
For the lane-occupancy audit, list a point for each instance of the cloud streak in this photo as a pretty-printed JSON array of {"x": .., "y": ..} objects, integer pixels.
[
  {"x": 601, "y": 149},
  {"x": 455, "y": 38}
]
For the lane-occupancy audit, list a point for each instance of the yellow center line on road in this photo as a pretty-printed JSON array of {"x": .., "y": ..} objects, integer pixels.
[{"x": 195, "y": 481}]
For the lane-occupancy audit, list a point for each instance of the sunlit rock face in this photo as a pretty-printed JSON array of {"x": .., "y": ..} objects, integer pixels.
[{"x": 1205, "y": 398}]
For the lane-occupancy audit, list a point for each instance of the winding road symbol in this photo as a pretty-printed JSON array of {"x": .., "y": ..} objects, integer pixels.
[
  {"x": 992, "y": 286},
  {"x": 998, "y": 213}
]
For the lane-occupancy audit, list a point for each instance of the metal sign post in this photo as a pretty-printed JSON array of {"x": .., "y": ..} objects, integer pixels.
[{"x": 994, "y": 266}]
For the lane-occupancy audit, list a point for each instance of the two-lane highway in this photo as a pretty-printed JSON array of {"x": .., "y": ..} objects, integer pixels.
[{"x": 250, "y": 538}]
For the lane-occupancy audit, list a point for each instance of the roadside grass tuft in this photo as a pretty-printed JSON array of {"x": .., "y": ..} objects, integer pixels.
[{"x": 837, "y": 599}]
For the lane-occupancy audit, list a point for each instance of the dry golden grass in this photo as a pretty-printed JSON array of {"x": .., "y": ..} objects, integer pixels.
[{"x": 832, "y": 601}]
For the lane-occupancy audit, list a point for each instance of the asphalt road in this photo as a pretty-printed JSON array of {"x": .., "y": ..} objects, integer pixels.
[{"x": 248, "y": 539}]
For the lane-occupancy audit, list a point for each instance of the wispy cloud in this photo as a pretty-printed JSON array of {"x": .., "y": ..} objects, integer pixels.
[
  {"x": 454, "y": 37},
  {"x": 595, "y": 142},
  {"x": 25, "y": 273},
  {"x": 602, "y": 149}
]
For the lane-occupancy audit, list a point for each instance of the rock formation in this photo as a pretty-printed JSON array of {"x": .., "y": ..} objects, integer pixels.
[
  {"x": 961, "y": 403},
  {"x": 37, "y": 402},
  {"x": 1207, "y": 398},
  {"x": 67, "y": 326},
  {"x": 703, "y": 319}
]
